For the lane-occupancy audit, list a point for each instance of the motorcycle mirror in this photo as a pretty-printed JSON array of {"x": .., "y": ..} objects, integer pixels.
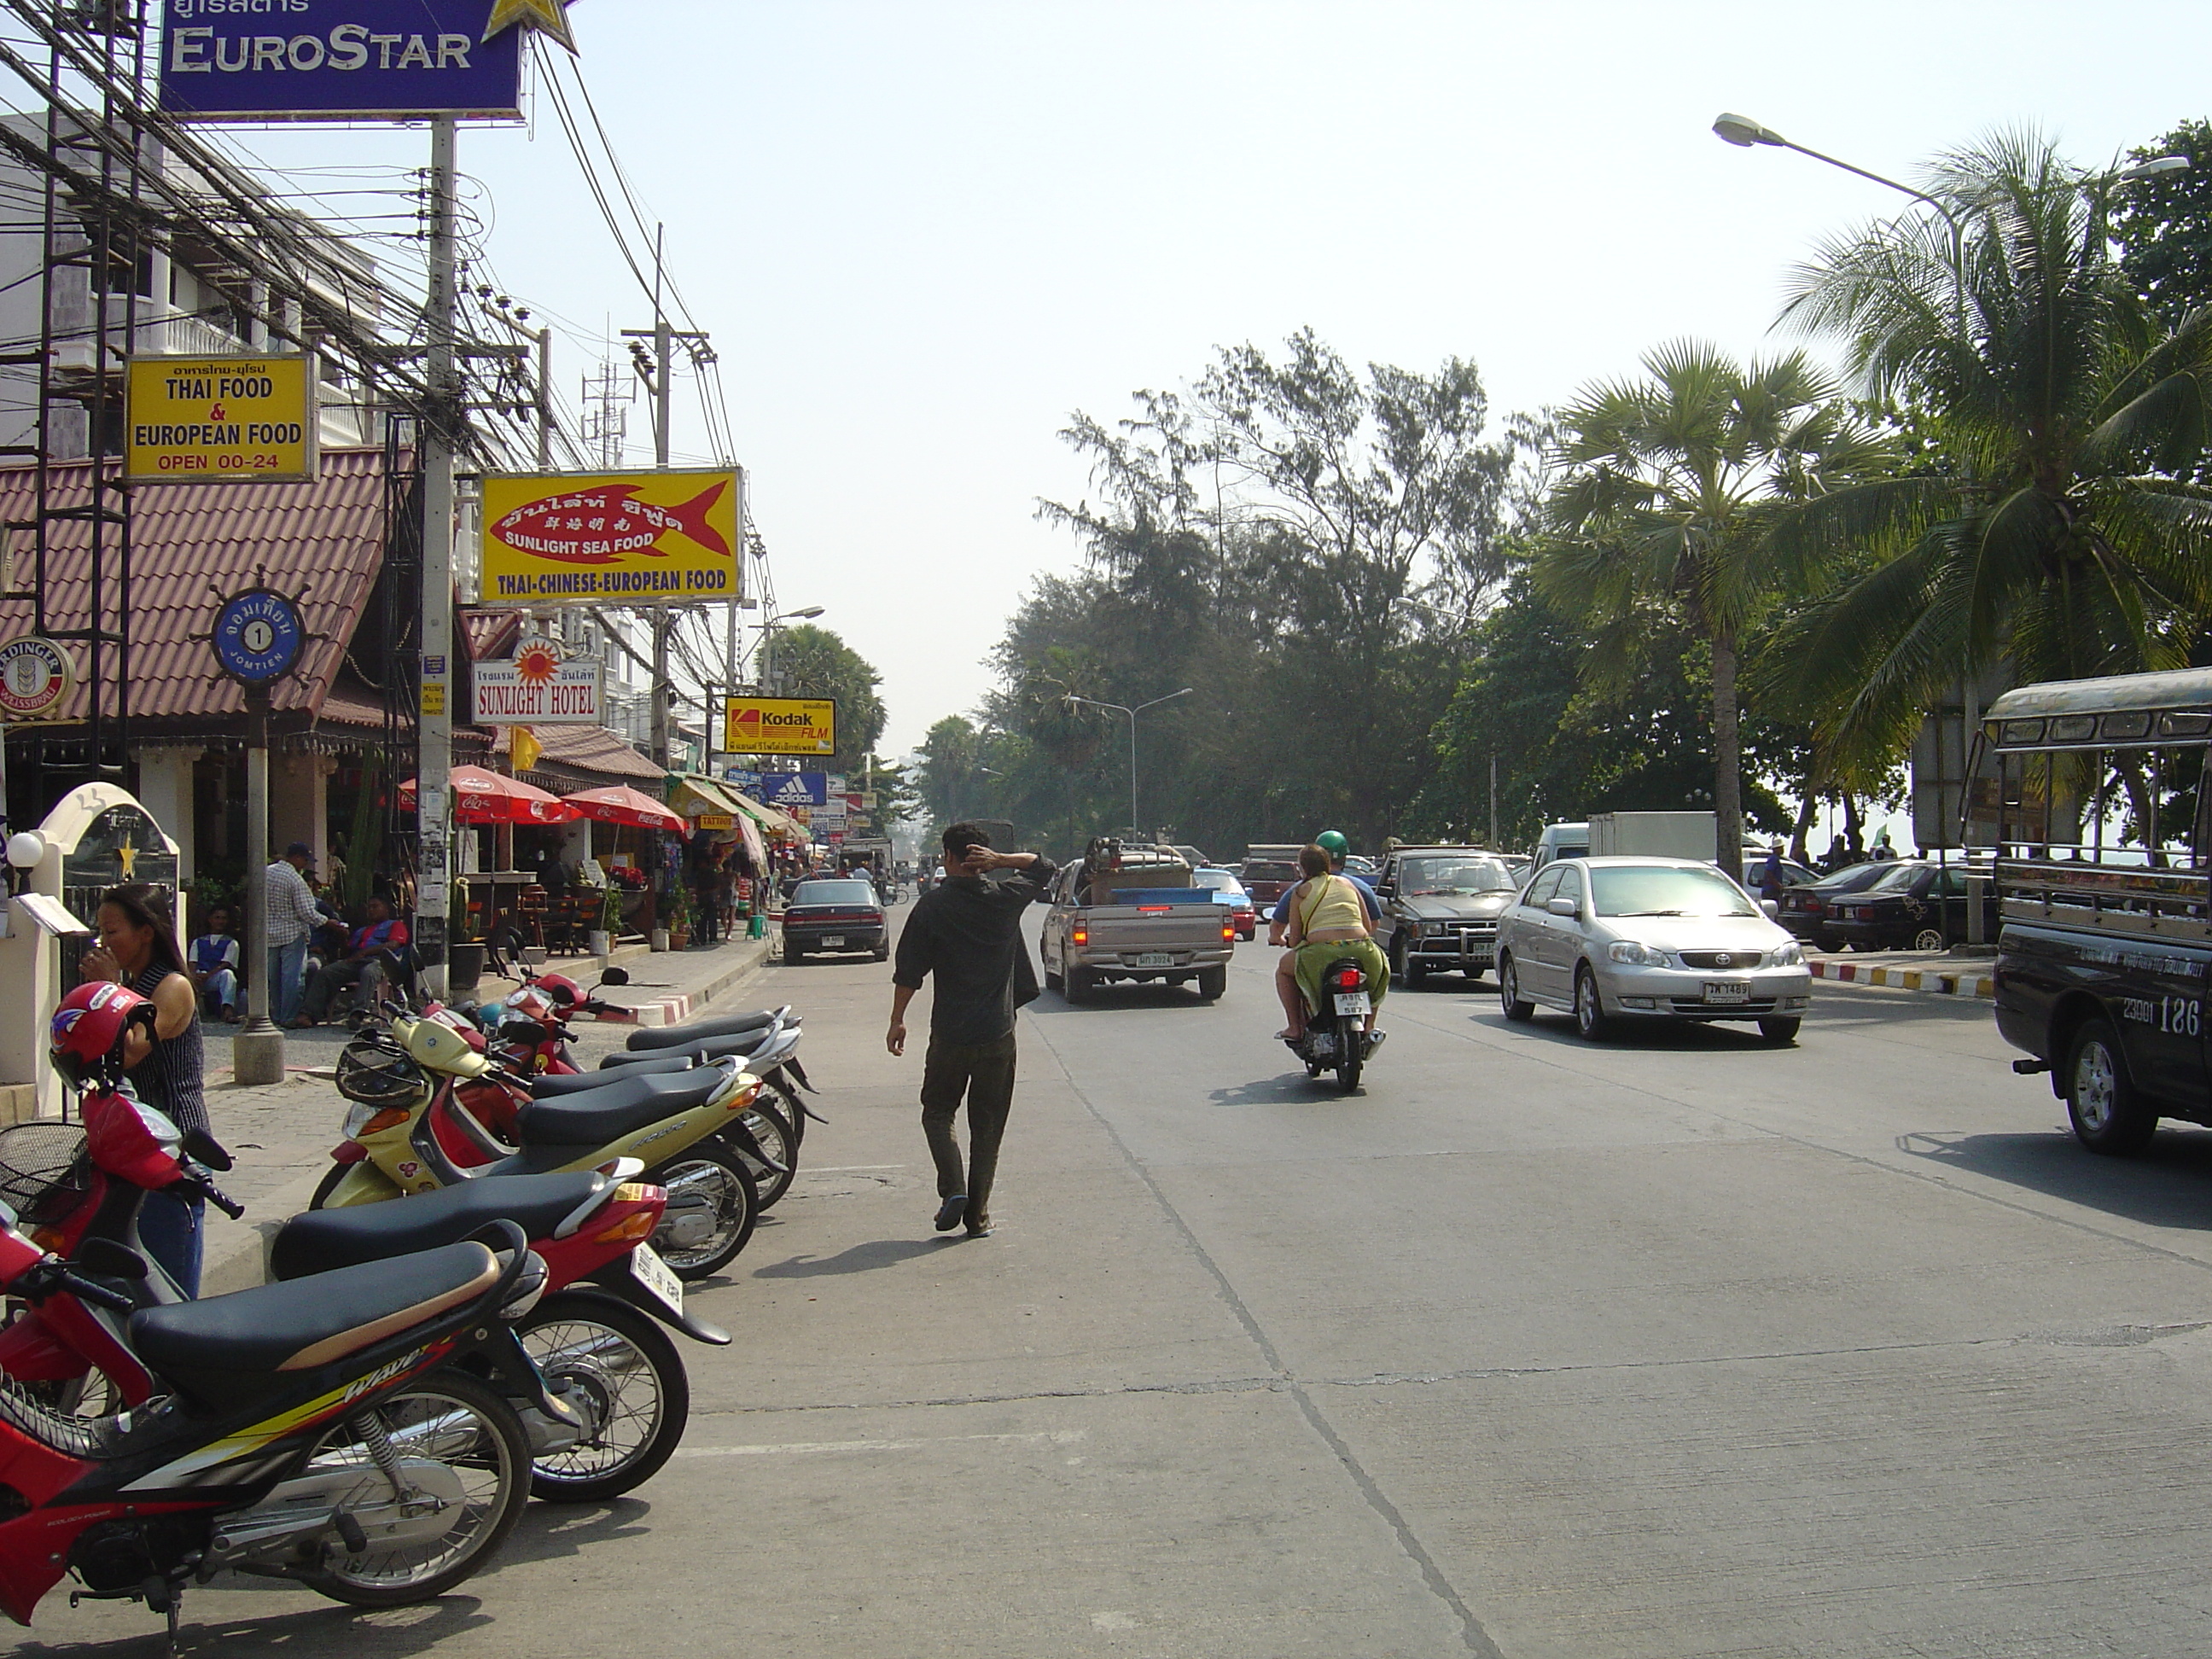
[
  {"x": 203, "y": 1148},
  {"x": 110, "y": 1260},
  {"x": 615, "y": 976}
]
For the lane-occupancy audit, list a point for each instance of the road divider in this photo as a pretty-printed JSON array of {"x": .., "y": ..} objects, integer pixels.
[{"x": 1934, "y": 982}]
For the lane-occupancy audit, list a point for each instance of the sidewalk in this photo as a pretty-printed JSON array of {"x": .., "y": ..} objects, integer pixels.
[
  {"x": 1930, "y": 972},
  {"x": 282, "y": 1134}
]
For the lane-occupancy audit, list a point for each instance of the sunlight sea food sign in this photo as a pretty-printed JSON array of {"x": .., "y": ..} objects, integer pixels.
[
  {"x": 305, "y": 60},
  {"x": 626, "y": 538}
]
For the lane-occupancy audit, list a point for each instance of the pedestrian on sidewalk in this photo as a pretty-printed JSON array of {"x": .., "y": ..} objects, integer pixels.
[
  {"x": 966, "y": 931},
  {"x": 138, "y": 948},
  {"x": 293, "y": 918}
]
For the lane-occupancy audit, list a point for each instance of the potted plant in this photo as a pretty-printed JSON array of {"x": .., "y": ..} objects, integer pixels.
[{"x": 601, "y": 938}]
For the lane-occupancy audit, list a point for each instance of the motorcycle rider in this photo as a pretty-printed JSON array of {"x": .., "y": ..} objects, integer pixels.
[
  {"x": 1278, "y": 921},
  {"x": 1326, "y": 916}
]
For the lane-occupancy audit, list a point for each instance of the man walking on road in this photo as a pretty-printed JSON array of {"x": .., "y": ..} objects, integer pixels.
[{"x": 966, "y": 931}]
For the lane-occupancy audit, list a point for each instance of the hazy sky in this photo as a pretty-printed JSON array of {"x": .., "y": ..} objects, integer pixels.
[{"x": 922, "y": 234}]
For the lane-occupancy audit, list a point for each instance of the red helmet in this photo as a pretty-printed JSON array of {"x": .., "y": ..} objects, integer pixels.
[
  {"x": 88, "y": 1031},
  {"x": 131, "y": 1140}
]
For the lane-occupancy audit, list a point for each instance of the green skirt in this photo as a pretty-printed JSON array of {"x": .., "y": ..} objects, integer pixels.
[{"x": 1316, "y": 955}]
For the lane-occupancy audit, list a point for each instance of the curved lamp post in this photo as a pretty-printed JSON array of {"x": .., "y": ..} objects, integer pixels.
[{"x": 1092, "y": 702}]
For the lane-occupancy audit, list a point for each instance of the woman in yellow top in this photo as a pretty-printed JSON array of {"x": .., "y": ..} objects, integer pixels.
[{"x": 1327, "y": 921}]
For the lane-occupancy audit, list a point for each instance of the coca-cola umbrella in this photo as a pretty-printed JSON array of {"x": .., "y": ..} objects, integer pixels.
[
  {"x": 482, "y": 797},
  {"x": 622, "y": 805}
]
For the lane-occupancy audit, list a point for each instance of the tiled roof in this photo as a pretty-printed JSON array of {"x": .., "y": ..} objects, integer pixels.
[
  {"x": 491, "y": 634},
  {"x": 591, "y": 753},
  {"x": 188, "y": 541}
]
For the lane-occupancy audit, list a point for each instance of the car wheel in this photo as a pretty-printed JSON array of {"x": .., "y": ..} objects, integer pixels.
[
  {"x": 1417, "y": 971},
  {"x": 1928, "y": 939},
  {"x": 2109, "y": 1117},
  {"x": 1828, "y": 943},
  {"x": 1211, "y": 982},
  {"x": 1398, "y": 960},
  {"x": 1078, "y": 986},
  {"x": 792, "y": 954},
  {"x": 1052, "y": 980},
  {"x": 1590, "y": 1023},
  {"x": 1508, "y": 992},
  {"x": 1781, "y": 1032}
]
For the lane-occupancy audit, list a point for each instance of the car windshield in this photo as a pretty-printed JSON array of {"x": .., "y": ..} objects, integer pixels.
[
  {"x": 1263, "y": 871},
  {"x": 1221, "y": 881},
  {"x": 1903, "y": 875},
  {"x": 1420, "y": 876},
  {"x": 1655, "y": 889},
  {"x": 833, "y": 892}
]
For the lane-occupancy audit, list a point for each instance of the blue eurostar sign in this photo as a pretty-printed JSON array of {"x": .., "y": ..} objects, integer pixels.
[{"x": 304, "y": 60}]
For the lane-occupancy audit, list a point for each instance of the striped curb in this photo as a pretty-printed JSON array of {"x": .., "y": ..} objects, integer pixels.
[{"x": 1936, "y": 981}]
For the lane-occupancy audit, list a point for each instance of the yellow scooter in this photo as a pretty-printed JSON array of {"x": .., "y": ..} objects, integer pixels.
[{"x": 429, "y": 1110}]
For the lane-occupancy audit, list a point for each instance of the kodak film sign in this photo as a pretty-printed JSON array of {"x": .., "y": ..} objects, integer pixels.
[
  {"x": 625, "y": 538},
  {"x": 780, "y": 725},
  {"x": 220, "y": 420}
]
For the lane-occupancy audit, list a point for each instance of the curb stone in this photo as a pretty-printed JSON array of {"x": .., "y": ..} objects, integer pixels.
[{"x": 1936, "y": 981}]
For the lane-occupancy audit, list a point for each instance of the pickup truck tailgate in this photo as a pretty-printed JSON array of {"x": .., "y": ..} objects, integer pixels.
[{"x": 1129, "y": 929}]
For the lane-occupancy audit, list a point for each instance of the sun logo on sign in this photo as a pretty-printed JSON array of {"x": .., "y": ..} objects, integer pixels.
[{"x": 536, "y": 662}]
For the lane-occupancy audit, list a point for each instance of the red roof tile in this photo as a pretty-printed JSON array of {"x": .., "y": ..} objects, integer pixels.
[{"x": 188, "y": 540}]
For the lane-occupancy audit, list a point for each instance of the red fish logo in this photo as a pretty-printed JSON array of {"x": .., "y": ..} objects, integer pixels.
[{"x": 600, "y": 525}]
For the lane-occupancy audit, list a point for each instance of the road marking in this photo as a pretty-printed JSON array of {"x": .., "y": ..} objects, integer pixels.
[
  {"x": 1055, "y": 1437},
  {"x": 1113, "y": 1621}
]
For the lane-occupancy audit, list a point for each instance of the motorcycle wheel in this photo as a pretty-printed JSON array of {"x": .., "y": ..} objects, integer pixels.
[
  {"x": 473, "y": 1430},
  {"x": 793, "y": 1113},
  {"x": 328, "y": 1185},
  {"x": 1351, "y": 1049},
  {"x": 707, "y": 1174},
  {"x": 772, "y": 1131},
  {"x": 639, "y": 1395}
]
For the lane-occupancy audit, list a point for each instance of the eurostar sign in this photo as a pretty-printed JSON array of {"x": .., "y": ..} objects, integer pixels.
[{"x": 345, "y": 60}]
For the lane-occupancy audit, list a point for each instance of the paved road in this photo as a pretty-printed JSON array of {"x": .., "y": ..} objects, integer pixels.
[{"x": 1669, "y": 1347}]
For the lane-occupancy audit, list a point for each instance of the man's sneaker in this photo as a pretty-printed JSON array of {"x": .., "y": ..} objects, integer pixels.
[
  {"x": 949, "y": 1212},
  {"x": 980, "y": 1230}
]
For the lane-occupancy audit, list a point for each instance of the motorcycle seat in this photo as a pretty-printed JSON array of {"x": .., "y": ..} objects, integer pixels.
[
  {"x": 683, "y": 1037},
  {"x": 306, "y": 1323},
  {"x": 580, "y": 1083},
  {"x": 601, "y": 1115},
  {"x": 741, "y": 1045},
  {"x": 322, "y": 1239}
]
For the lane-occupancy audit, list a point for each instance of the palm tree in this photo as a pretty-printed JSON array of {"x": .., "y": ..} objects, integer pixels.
[
  {"x": 2049, "y": 531},
  {"x": 1670, "y": 489}
]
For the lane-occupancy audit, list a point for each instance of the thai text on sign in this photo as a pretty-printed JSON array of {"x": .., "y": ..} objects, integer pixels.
[
  {"x": 637, "y": 537},
  {"x": 780, "y": 725},
  {"x": 262, "y": 60},
  {"x": 220, "y": 420}
]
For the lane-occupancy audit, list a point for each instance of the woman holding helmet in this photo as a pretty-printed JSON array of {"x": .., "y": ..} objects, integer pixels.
[{"x": 161, "y": 1057}]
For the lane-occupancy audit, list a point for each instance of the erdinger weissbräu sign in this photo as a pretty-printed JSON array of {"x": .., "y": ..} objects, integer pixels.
[
  {"x": 621, "y": 538},
  {"x": 306, "y": 60}
]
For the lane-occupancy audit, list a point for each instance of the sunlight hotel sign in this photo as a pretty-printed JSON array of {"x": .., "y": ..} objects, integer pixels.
[{"x": 342, "y": 60}]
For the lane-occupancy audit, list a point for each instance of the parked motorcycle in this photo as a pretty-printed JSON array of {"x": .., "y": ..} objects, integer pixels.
[
  {"x": 1336, "y": 1038},
  {"x": 415, "y": 1126}
]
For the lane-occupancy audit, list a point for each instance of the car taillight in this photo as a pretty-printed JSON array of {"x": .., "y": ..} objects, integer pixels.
[
  {"x": 1080, "y": 937},
  {"x": 1228, "y": 932},
  {"x": 1348, "y": 980}
]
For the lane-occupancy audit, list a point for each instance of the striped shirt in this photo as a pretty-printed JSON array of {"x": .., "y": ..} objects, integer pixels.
[
  {"x": 292, "y": 912},
  {"x": 170, "y": 1078}
]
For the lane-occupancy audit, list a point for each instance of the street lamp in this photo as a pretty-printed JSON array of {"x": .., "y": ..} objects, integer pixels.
[{"x": 1119, "y": 708}]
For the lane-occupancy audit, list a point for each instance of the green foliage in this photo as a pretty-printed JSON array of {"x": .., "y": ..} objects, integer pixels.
[
  {"x": 816, "y": 662},
  {"x": 2058, "y": 534},
  {"x": 2165, "y": 225}
]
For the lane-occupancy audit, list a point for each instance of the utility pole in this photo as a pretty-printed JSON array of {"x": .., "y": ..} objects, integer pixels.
[
  {"x": 440, "y": 420},
  {"x": 1493, "y": 804},
  {"x": 657, "y": 372},
  {"x": 545, "y": 400}
]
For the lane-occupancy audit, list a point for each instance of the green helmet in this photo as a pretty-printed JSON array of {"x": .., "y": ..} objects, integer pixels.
[{"x": 1333, "y": 844}]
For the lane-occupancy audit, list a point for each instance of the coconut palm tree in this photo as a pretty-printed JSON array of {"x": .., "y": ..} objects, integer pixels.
[
  {"x": 1667, "y": 492},
  {"x": 2049, "y": 530}
]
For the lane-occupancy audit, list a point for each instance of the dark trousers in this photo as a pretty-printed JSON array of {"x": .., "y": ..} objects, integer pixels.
[{"x": 984, "y": 1073}]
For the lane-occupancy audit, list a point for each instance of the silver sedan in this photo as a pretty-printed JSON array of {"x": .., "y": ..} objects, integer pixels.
[{"x": 1611, "y": 939}]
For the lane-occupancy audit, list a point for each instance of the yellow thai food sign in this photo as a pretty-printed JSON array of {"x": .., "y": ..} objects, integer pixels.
[
  {"x": 220, "y": 420},
  {"x": 780, "y": 725},
  {"x": 625, "y": 538}
]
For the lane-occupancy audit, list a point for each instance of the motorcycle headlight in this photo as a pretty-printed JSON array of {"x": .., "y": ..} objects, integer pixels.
[
  {"x": 1790, "y": 956},
  {"x": 1638, "y": 954}
]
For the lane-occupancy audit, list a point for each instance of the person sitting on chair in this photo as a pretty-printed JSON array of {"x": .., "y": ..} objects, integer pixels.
[
  {"x": 372, "y": 959},
  {"x": 212, "y": 964}
]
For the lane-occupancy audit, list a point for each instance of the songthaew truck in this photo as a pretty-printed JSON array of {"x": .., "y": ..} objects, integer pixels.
[
  {"x": 1128, "y": 911},
  {"x": 1653, "y": 835}
]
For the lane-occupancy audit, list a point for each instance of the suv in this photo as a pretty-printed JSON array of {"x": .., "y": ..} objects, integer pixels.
[
  {"x": 1267, "y": 872},
  {"x": 1440, "y": 909}
]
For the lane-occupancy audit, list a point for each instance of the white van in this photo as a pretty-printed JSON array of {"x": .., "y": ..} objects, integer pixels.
[{"x": 1559, "y": 841}]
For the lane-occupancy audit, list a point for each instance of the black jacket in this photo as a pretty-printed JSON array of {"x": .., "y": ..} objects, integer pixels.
[{"x": 967, "y": 930}]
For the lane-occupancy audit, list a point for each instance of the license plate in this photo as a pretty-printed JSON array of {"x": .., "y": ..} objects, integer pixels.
[
  {"x": 1352, "y": 1002},
  {"x": 1155, "y": 959},
  {"x": 657, "y": 1277},
  {"x": 1727, "y": 990},
  {"x": 832, "y": 940}
]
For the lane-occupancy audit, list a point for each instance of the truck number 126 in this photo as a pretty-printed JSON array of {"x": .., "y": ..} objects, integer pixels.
[{"x": 2179, "y": 1015}]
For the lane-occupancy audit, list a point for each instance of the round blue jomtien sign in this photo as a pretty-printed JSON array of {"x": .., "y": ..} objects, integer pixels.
[{"x": 258, "y": 635}]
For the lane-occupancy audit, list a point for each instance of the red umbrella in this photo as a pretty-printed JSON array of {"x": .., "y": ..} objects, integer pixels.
[
  {"x": 482, "y": 797},
  {"x": 622, "y": 804}
]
